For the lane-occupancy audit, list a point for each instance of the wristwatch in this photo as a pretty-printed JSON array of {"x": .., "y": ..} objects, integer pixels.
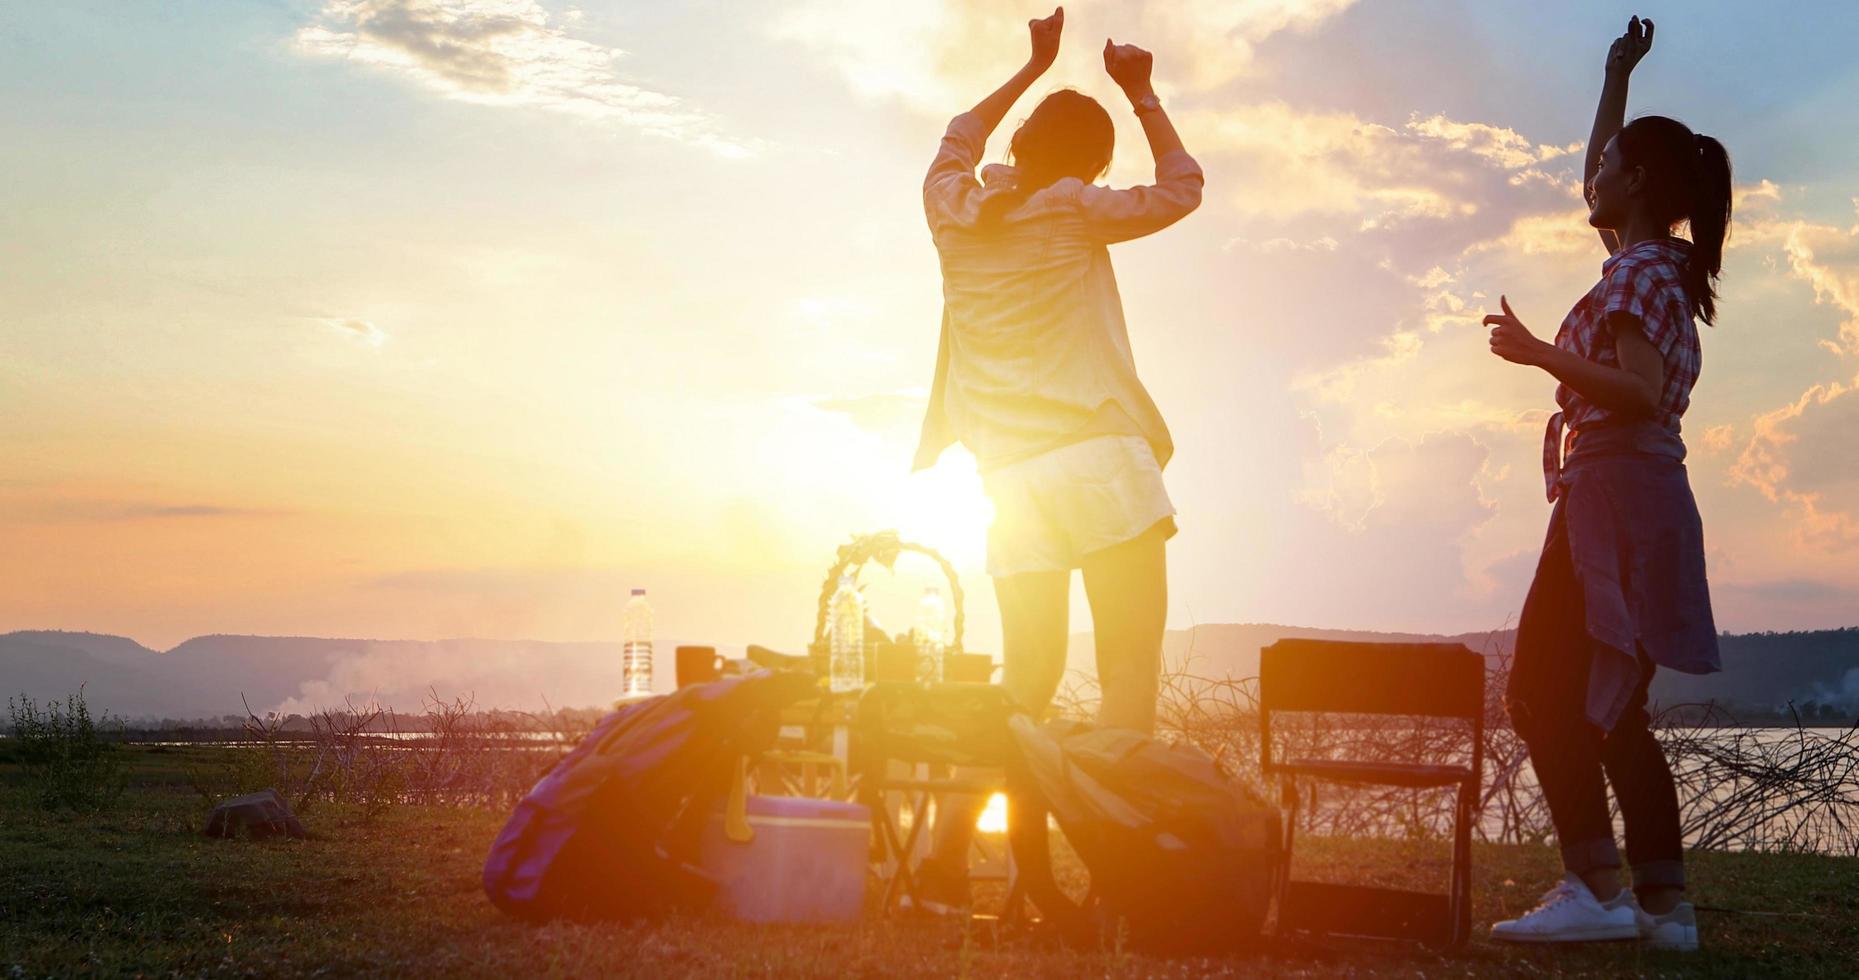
[{"x": 1148, "y": 103}]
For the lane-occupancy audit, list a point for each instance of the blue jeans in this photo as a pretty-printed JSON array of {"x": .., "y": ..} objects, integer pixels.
[{"x": 1574, "y": 759}]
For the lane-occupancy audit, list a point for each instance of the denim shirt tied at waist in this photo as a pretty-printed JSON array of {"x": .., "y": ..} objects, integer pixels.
[{"x": 1637, "y": 546}]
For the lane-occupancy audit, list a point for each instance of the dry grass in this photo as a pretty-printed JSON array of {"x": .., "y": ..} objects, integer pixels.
[{"x": 137, "y": 891}]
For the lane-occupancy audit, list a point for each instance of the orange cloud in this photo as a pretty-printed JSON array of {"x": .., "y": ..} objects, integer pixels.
[{"x": 1767, "y": 464}]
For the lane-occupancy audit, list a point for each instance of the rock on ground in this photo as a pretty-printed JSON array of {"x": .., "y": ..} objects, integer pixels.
[{"x": 258, "y": 815}]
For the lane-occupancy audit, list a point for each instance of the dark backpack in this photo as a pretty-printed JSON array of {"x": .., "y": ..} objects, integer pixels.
[
  {"x": 604, "y": 834},
  {"x": 1182, "y": 855}
]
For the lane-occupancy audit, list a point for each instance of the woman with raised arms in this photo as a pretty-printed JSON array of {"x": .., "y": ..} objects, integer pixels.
[
  {"x": 1620, "y": 589},
  {"x": 1034, "y": 375}
]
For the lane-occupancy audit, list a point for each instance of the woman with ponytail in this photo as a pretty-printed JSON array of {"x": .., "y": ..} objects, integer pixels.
[
  {"x": 1034, "y": 376},
  {"x": 1620, "y": 589}
]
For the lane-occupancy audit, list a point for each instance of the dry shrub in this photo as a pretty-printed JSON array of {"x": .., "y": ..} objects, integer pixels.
[
  {"x": 367, "y": 758},
  {"x": 1739, "y": 788}
]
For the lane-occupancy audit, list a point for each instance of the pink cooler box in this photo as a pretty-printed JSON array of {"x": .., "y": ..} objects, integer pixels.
[{"x": 807, "y": 862}]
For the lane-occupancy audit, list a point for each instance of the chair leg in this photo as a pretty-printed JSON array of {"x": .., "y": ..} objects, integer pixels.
[
  {"x": 1282, "y": 874},
  {"x": 887, "y": 837},
  {"x": 1461, "y": 904},
  {"x": 903, "y": 880},
  {"x": 895, "y": 852},
  {"x": 1016, "y": 898},
  {"x": 919, "y": 815}
]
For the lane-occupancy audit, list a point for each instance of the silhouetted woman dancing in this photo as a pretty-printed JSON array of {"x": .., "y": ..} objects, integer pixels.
[
  {"x": 1620, "y": 588},
  {"x": 1035, "y": 377}
]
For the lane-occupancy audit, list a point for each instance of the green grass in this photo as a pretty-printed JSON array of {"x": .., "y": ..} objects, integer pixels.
[{"x": 138, "y": 891}]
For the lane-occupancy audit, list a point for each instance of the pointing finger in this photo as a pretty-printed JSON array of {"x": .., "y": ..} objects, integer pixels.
[{"x": 1504, "y": 301}]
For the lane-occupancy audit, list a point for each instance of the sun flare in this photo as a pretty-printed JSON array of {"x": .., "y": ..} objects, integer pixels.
[
  {"x": 993, "y": 819},
  {"x": 944, "y": 508}
]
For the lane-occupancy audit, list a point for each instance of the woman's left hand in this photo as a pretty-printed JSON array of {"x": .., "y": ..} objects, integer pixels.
[
  {"x": 1511, "y": 340},
  {"x": 1045, "y": 33}
]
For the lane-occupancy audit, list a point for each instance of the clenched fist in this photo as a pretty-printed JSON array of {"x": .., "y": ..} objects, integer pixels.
[
  {"x": 1128, "y": 66},
  {"x": 1045, "y": 33}
]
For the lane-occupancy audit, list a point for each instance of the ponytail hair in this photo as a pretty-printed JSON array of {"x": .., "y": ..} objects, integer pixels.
[
  {"x": 1688, "y": 178},
  {"x": 1710, "y": 226},
  {"x": 1068, "y": 135}
]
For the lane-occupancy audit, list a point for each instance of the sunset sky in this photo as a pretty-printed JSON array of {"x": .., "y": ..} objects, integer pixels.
[{"x": 435, "y": 318}]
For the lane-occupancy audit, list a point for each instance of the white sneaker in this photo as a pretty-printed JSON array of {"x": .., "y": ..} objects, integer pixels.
[
  {"x": 1569, "y": 913},
  {"x": 1675, "y": 930}
]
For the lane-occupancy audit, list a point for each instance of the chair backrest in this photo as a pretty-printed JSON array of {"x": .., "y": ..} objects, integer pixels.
[
  {"x": 1443, "y": 680},
  {"x": 1439, "y": 679}
]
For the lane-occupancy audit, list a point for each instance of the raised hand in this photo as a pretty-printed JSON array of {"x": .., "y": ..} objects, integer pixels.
[
  {"x": 1510, "y": 339},
  {"x": 1045, "y": 37},
  {"x": 1128, "y": 66},
  {"x": 1629, "y": 48}
]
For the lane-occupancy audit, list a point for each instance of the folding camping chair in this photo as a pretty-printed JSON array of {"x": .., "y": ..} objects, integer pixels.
[
  {"x": 1443, "y": 680},
  {"x": 932, "y": 729}
]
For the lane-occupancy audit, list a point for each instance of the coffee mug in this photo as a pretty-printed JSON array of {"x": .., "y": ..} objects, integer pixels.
[{"x": 698, "y": 665}]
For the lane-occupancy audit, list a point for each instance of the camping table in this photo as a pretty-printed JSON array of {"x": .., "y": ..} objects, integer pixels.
[
  {"x": 809, "y": 757},
  {"x": 917, "y": 742}
]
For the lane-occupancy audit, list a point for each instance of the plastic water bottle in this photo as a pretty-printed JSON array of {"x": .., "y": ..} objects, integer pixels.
[
  {"x": 636, "y": 646},
  {"x": 927, "y": 636},
  {"x": 848, "y": 637}
]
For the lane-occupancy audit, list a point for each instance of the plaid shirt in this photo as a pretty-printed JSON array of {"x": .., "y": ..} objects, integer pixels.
[{"x": 1646, "y": 280}]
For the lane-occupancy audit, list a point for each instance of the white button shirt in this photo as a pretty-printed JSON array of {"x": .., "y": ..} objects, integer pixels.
[{"x": 1034, "y": 352}]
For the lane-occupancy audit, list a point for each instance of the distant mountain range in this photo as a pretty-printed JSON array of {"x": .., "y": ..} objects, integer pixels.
[{"x": 206, "y": 677}]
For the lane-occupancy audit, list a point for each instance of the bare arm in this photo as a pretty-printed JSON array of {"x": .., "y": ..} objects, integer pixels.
[
  {"x": 1045, "y": 33},
  {"x": 1129, "y": 66},
  {"x": 1611, "y": 114},
  {"x": 1633, "y": 388},
  {"x": 1113, "y": 215}
]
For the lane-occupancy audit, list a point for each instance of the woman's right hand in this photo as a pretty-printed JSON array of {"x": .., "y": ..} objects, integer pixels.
[
  {"x": 1044, "y": 32},
  {"x": 1128, "y": 66},
  {"x": 1629, "y": 48}
]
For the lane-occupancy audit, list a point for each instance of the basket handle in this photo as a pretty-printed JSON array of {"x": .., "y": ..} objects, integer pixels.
[{"x": 884, "y": 547}]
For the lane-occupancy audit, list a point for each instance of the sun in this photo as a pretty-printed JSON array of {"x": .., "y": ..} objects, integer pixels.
[{"x": 944, "y": 507}]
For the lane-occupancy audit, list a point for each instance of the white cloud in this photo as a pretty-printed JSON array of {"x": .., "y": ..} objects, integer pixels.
[
  {"x": 358, "y": 330},
  {"x": 1827, "y": 258},
  {"x": 1426, "y": 486},
  {"x": 894, "y": 414},
  {"x": 1564, "y": 234},
  {"x": 1388, "y": 525},
  {"x": 1757, "y": 195},
  {"x": 1215, "y": 39},
  {"x": 938, "y": 57},
  {"x": 1269, "y": 246},
  {"x": 1501, "y": 145},
  {"x": 504, "y": 53},
  {"x": 1279, "y": 162}
]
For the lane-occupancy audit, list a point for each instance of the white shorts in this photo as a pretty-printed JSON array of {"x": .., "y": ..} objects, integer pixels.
[{"x": 1053, "y": 509}]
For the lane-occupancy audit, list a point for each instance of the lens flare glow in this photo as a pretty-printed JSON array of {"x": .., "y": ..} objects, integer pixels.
[{"x": 993, "y": 819}]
